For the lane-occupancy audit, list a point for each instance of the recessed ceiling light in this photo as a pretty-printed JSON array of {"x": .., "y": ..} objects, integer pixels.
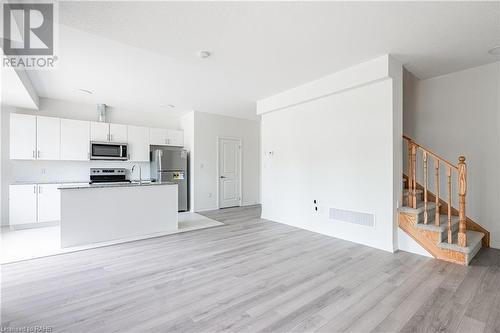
[
  {"x": 204, "y": 54},
  {"x": 169, "y": 105},
  {"x": 495, "y": 50},
  {"x": 85, "y": 91}
]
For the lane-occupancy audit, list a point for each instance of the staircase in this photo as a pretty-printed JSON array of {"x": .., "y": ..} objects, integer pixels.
[{"x": 432, "y": 221}]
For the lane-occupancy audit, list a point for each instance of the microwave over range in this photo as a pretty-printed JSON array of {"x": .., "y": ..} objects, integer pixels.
[{"x": 108, "y": 151}]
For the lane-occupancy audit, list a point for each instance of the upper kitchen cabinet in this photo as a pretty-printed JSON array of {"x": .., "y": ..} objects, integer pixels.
[
  {"x": 175, "y": 138},
  {"x": 108, "y": 132},
  {"x": 118, "y": 133},
  {"x": 75, "y": 140},
  {"x": 22, "y": 136},
  {"x": 99, "y": 131},
  {"x": 138, "y": 143},
  {"x": 164, "y": 137},
  {"x": 48, "y": 138}
]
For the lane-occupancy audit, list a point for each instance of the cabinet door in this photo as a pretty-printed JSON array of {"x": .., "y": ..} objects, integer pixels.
[
  {"x": 48, "y": 138},
  {"x": 49, "y": 203},
  {"x": 138, "y": 143},
  {"x": 22, "y": 204},
  {"x": 75, "y": 140},
  {"x": 22, "y": 136},
  {"x": 175, "y": 138},
  {"x": 99, "y": 131},
  {"x": 118, "y": 133},
  {"x": 157, "y": 136}
]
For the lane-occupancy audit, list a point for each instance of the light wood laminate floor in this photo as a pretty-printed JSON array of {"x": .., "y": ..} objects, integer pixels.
[{"x": 250, "y": 275}]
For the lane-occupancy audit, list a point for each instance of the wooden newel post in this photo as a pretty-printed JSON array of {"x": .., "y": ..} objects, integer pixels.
[{"x": 462, "y": 191}]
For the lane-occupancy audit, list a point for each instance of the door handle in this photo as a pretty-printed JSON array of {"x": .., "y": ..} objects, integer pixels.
[{"x": 223, "y": 177}]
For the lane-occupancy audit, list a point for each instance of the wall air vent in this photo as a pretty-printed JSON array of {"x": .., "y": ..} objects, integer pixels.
[{"x": 350, "y": 216}]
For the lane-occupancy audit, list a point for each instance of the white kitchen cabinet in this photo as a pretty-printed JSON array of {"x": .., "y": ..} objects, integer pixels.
[
  {"x": 75, "y": 140},
  {"x": 118, "y": 133},
  {"x": 34, "y": 203},
  {"x": 48, "y": 138},
  {"x": 22, "y": 136},
  {"x": 157, "y": 136},
  {"x": 49, "y": 203},
  {"x": 138, "y": 143},
  {"x": 22, "y": 204},
  {"x": 99, "y": 131},
  {"x": 166, "y": 137},
  {"x": 175, "y": 138}
]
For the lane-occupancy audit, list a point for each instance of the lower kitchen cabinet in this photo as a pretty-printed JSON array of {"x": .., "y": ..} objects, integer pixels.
[
  {"x": 22, "y": 204},
  {"x": 34, "y": 203},
  {"x": 49, "y": 203}
]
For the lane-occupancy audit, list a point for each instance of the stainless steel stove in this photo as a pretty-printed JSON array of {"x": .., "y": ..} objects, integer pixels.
[{"x": 108, "y": 175}]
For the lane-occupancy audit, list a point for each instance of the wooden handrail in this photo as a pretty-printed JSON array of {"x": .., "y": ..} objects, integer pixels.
[
  {"x": 461, "y": 170},
  {"x": 430, "y": 152}
]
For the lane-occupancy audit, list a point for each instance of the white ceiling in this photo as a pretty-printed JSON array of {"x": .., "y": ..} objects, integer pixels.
[{"x": 138, "y": 55}]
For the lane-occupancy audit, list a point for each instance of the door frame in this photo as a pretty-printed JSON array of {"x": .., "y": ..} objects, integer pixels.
[{"x": 240, "y": 141}]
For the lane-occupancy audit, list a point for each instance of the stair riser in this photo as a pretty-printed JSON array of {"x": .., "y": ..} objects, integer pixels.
[
  {"x": 431, "y": 214},
  {"x": 454, "y": 231},
  {"x": 472, "y": 254},
  {"x": 420, "y": 198}
]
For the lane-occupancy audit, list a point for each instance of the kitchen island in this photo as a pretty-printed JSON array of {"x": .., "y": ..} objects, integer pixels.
[{"x": 94, "y": 213}]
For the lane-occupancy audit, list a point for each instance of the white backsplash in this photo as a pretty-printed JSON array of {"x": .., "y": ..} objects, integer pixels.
[{"x": 64, "y": 171}]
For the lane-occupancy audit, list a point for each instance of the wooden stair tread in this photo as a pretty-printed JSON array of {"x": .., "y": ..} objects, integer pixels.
[{"x": 473, "y": 238}]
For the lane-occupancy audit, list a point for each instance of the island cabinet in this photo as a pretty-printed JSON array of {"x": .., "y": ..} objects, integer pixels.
[{"x": 33, "y": 203}]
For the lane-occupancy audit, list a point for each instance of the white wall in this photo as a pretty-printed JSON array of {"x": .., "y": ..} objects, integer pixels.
[
  {"x": 187, "y": 124},
  {"x": 207, "y": 128},
  {"x": 459, "y": 114},
  {"x": 337, "y": 141},
  {"x": 14, "y": 171}
]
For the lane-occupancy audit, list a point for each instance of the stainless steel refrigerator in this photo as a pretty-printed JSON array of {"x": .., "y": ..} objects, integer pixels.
[{"x": 169, "y": 164}]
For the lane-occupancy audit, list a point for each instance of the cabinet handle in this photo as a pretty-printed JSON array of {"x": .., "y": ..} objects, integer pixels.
[
  {"x": 34, "y": 189},
  {"x": 39, "y": 189},
  {"x": 111, "y": 137},
  {"x": 34, "y": 156},
  {"x": 38, "y": 154}
]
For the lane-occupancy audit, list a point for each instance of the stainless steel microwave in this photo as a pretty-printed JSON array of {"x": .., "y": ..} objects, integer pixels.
[{"x": 108, "y": 151}]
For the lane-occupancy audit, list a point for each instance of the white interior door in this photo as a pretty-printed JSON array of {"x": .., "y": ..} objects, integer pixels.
[{"x": 229, "y": 172}]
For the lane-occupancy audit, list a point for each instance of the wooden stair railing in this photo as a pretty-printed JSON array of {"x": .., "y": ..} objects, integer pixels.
[{"x": 461, "y": 171}]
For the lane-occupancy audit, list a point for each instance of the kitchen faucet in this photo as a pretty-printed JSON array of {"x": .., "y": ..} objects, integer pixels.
[{"x": 140, "y": 173}]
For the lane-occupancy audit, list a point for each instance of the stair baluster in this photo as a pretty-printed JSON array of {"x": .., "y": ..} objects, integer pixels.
[
  {"x": 414, "y": 174},
  {"x": 426, "y": 217},
  {"x": 410, "y": 176},
  {"x": 450, "y": 236},
  {"x": 437, "y": 221},
  {"x": 462, "y": 190}
]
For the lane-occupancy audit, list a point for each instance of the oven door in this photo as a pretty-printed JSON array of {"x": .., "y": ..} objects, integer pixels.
[{"x": 108, "y": 151}]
